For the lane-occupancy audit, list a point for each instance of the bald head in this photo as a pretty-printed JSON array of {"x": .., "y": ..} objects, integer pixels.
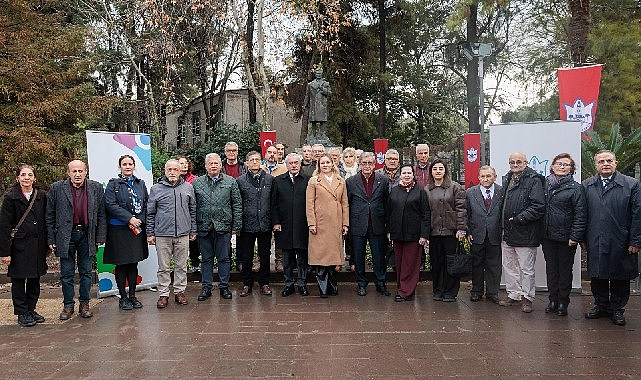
[{"x": 518, "y": 162}]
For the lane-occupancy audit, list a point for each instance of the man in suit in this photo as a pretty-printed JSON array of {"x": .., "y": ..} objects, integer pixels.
[
  {"x": 367, "y": 194},
  {"x": 484, "y": 233},
  {"x": 76, "y": 226},
  {"x": 613, "y": 237},
  {"x": 289, "y": 221}
]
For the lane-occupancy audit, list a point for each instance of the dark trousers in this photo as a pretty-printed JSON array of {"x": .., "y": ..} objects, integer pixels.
[
  {"x": 245, "y": 250},
  {"x": 24, "y": 294},
  {"x": 194, "y": 254},
  {"x": 296, "y": 257},
  {"x": 78, "y": 250},
  {"x": 408, "y": 261},
  {"x": 486, "y": 268},
  {"x": 326, "y": 279},
  {"x": 127, "y": 275},
  {"x": 610, "y": 295},
  {"x": 215, "y": 244},
  {"x": 377, "y": 244},
  {"x": 444, "y": 284},
  {"x": 559, "y": 258}
]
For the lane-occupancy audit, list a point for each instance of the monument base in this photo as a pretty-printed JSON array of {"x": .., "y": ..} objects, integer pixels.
[{"x": 320, "y": 139}]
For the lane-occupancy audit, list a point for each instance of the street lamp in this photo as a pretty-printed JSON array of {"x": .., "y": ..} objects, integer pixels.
[{"x": 479, "y": 50}]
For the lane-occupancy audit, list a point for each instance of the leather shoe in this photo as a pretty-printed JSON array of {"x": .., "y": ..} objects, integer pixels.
[
  {"x": 303, "y": 291},
  {"x": 84, "y": 311},
  {"x": 618, "y": 318},
  {"x": 26, "y": 320},
  {"x": 361, "y": 291},
  {"x": 383, "y": 290},
  {"x": 180, "y": 298},
  {"x": 493, "y": 299},
  {"x": 266, "y": 290},
  {"x": 287, "y": 291},
  {"x": 135, "y": 303},
  {"x": 475, "y": 297},
  {"x": 125, "y": 304},
  {"x": 66, "y": 313},
  {"x": 399, "y": 298},
  {"x": 437, "y": 297},
  {"x": 562, "y": 310},
  {"x": 247, "y": 290},
  {"x": 596, "y": 313},
  {"x": 225, "y": 293},
  {"x": 510, "y": 302},
  {"x": 204, "y": 294},
  {"x": 552, "y": 307},
  {"x": 37, "y": 317},
  {"x": 162, "y": 302}
]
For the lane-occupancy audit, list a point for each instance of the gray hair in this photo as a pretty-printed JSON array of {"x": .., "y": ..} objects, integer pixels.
[
  {"x": 171, "y": 161},
  {"x": 231, "y": 143},
  {"x": 368, "y": 154},
  {"x": 391, "y": 151},
  {"x": 292, "y": 155},
  {"x": 252, "y": 153},
  {"x": 334, "y": 149},
  {"x": 212, "y": 155},
  {"x": 487, "y": 167}
]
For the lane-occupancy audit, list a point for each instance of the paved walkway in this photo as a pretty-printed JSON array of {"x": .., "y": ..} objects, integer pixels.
[{"x": 346, "y": 336}]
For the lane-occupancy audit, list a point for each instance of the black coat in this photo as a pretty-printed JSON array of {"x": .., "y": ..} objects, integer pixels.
[
  {"x": 362, "y": 209},
  {"x": 29, "y": 248},
  {"x": 523, "y": 209},
  {"x": 565, "y": 212},
  {"x": 288, "y": 207},
  {"x": 256, "y": 197},
  {"x": 409, "y": 214},
  {"x": 614, "y": 223}
]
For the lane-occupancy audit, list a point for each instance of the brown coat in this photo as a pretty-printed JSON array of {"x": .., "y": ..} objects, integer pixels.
[
  {"x": 328, "y": 210},
  {"x": 448, "y": 207}
]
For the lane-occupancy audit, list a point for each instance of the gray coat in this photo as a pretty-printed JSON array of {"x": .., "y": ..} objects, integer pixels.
[
  {"x": 171, "y": 210},
  {"x": 60, "y": 216},
  {"x": 361, "y": 207},
  {"x": 482, "y": 224},
  {"x": 614, "y": 223},
  {"x": 256, "y": 201}
]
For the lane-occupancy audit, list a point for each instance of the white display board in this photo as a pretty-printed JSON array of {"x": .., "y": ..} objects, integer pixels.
[
  {"x": 540, "y": 142},
  {"x": 103, "y": 151}
]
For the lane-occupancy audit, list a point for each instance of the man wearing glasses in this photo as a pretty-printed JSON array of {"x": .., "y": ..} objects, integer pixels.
[
  {"x": 390, "y": 170},
  {"x": 522, "y": 213},
  {"x": 232, "y": 166},
  {"x": 613, "y": 237}
]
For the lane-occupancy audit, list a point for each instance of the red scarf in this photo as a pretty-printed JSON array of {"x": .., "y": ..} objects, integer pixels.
[{"x": 407, "y": 187}]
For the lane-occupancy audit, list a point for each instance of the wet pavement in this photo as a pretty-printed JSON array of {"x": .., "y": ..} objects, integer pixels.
[{"x": 345, "y": 336}]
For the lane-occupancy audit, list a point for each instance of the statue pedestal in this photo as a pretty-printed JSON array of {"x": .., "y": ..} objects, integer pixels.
[{"x": 320, "y": 139}]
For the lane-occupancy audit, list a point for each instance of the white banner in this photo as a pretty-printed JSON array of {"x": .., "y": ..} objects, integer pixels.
[
  {"x": 103, "y": 151},
  {"x": 540, "y": 142}
]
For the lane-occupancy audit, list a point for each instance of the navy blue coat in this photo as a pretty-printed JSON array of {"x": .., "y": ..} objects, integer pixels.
[
  {"x": 361, "y": 207},
  {"x": 288, "y": 207}
]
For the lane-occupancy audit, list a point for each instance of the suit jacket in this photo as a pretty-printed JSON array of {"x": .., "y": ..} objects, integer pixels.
[
  {"x": 480, "y": 222},
  {"x": 60, "y": 216},
  {"x": 362, "y": 208},
  {"x": 288, "y": 210}
]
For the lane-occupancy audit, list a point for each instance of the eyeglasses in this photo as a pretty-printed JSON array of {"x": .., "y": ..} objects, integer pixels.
[
  {"x": 562, "y": 164},
  {"x": 231, "y": 150},
  {"x": 517, "y": 162},
  {"x": 365, "y": 163},
  {"x": 601, "y": 162},
  {"x": 391, "y": 158}
]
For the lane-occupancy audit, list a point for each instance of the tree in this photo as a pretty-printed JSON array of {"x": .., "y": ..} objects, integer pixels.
[
  {"x": 627, "y": 150},
  {"x": 578, "y": 30}
]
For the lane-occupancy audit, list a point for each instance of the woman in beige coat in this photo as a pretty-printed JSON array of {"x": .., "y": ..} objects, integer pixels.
[{"x": 328, "y": 220}]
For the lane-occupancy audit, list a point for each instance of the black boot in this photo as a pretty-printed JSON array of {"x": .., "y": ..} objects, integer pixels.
[
  {"x": 562, "y": 310},
  {"x": 553, "y": 306}
]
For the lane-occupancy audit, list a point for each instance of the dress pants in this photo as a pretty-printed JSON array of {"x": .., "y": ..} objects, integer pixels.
[
  {"x": 444, "y": 284},
  {"x": 298, "y": 258},
  {"x": 377, "y": 244},
  {"x": 168, "y": 248},
  {"x": 24, "y": 294},
  {"x": 78, "y": 251},
  {"x": 215, "y": 244},
  {"x": 486, "y": 268},
  {"x": 610, "y": 295},
  {"x": 245, "y": 249},
  {"x": 518, "y": 266},
  {"x": 559, "y": 258},
  {"x": 408, "y": 261}
]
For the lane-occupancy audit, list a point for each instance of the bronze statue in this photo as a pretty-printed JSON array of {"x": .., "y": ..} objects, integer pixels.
[{"x": 316, "y": 95}]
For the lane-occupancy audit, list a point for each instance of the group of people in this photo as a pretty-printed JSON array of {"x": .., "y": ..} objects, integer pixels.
[{"x": 317, "y": 207}]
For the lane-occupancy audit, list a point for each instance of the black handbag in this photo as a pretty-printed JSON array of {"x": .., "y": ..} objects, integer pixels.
[{"x": 460, "y": 263}]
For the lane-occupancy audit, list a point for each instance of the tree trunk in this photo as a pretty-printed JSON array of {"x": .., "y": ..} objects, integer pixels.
[
  {"x": 472, "y": 81},
  {"x": 249, "y": 39},
  {"x": 578, "y": 30},
  {"x": 382, "y": 99}
]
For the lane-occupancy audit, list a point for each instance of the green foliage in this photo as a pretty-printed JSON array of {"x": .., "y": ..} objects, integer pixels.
[
  {"x": 547, "y": 109},
  {"x": 627, "y": 150}
]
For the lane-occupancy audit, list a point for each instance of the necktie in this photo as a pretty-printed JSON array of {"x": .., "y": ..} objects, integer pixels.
[
  {"x": 487, "y": 200},
  {"x": 294, "y": 180},
  {"x": 606, "y": 182}
]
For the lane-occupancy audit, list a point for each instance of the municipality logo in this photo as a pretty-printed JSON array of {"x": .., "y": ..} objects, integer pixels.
[
  {"x": 539, "y": 166},
  {"x": 472, "y": 154},
  {"x": 580, "y": 112}
]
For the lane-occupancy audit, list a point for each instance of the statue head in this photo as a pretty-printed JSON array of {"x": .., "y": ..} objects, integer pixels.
[{"x": 318, "y": 74}]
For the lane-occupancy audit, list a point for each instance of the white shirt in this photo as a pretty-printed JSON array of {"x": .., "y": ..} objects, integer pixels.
[{"x": 484, "y": 191}]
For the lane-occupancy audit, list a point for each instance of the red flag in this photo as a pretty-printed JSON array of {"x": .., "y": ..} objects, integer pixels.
[
  {"x": 380, "y": 147},
  {"x": 472, "y": 146},
  {"x": 578, "y": 94},
  {"x": 267, "y": 139}
]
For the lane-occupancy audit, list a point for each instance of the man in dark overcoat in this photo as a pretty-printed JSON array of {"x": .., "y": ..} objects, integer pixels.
[
  {"x": 613, "y": 237},
  {"x": 289, "y": 219},
  {"x": 76, "y": 226}
]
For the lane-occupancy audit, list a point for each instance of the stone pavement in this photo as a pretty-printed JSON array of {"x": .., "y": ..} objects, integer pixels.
[{"x": 346, "y": 336}]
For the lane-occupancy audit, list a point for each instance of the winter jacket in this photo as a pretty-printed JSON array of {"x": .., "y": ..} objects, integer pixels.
[
  {"x": 219, "y": 205},
  {"x": 409, "y": 214},
  {"x": 447, "y": 207},
  {"x": 565, "y": 212},
  {"x": 171, "y": 209},
  {"x": 256, "y": 193},
  {"x": 523, "y": 209}
]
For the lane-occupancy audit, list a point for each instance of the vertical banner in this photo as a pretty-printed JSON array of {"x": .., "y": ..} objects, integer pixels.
[
  {"x": 267, "y": 138},
  {"x": 578, "y": 94},
  {"x": 472, "y": 146},
  {"x": 380, "y": 147},
  {"x": 103, "y": 151}
]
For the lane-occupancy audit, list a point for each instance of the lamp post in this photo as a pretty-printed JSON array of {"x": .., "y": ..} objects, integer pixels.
[{"x": 480, "y": 51}]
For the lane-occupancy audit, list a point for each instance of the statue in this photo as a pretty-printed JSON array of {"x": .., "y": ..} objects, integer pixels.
[{"x": 316, "y": 95}]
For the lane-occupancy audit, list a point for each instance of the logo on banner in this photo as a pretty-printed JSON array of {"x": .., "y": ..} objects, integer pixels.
[
  {"x": 472, "y": 154},
  {"x": 538, "y": 166},
  {"x": 580, "y": 112},
  {"x": 139, "y": 144},
  {"x": 267, "y": 143},
  {"x": 380, "y": 158}
]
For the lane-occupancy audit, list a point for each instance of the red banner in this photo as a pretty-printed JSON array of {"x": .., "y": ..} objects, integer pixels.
[
  {"x": 472, "y": 147},
  {"x": 578, "y": 94},
  {"x": 267, "y": 139},
  {"x": 380, "y": 147}
]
